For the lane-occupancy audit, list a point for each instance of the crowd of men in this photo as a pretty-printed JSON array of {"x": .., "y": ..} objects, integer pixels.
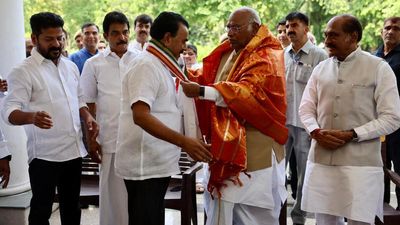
[{"x": 255, "y": 103}]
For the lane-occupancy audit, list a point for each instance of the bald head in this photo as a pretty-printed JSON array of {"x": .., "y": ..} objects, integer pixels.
[
  {"x": 349, "y": 24},
  {"x": 249, "y": 14},
  {"x": 342, "y": 34},
  {"x": 243, "y": 25}
]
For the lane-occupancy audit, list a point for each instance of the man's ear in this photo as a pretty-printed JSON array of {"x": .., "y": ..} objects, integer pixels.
[
  {"x": 34, "y": 39},
  {"x": 166, "y": 40},
  {"x": 105, "y": 36}
]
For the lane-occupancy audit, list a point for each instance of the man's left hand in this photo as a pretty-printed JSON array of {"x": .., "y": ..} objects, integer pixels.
[
  {"x": 191, "y": 89},
  {"x": 4, "y": 172}
]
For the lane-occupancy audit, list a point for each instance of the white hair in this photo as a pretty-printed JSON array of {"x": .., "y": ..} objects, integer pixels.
[{"x": 254, "y": 17}]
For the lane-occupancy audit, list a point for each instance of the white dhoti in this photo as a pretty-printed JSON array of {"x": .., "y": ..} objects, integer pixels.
[
  {"x": 257, "y": 202},
  {"x": 354, "y": 192},
  {"x": 113, "y": 194}
]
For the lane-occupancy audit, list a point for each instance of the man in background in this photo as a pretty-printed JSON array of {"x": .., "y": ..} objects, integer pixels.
[
  {"x": 90, "y": 39},
  {"x": 142, "y": 25},
  {"x": 390, "y": 52}
]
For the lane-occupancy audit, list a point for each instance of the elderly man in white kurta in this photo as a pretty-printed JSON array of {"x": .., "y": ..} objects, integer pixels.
[
  {"x": 101, "y": 84},
  {"x": 350, "y": 100}
]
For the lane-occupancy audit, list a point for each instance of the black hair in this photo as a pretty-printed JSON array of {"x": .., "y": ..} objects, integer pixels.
[
  {"x": 44, "y": 20},
  {"x": 193, "y": 47},
  {"x": 114, "y": 17},
  {"x": 281, "y": 23},
  {"x": 167, "y": 22},
  {"x": 89, "y": 25},
  {"x": 352, "y": 24},
  {"x": 299, "y": 16},
  {"x": 143, "y": 18}
]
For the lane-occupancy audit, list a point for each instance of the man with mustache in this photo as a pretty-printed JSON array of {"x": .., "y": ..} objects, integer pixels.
[
  {"x": 90, "y": 39},
  {"x": 101, "y": 84},
  {"x": 242, "y": 112},
  {"x": 142, "y": 25},
  {"x": 301, "y": 56},
  {"x": 350, "y": 100},
  {"x": 149, "y": 140},
  {"x": 390, "y": 51},
  {"x": 44, "y": 96}
]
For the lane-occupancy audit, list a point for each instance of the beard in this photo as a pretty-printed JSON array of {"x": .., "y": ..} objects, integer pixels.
[{"x": 51, "y": 53}]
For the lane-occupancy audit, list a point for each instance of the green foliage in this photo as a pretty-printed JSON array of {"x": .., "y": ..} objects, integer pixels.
[{"x": 207, "y": 18}]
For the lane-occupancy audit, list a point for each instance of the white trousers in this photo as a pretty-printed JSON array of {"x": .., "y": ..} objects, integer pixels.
[
  {"x": 222, "y": 212},
  {"x": 326, "y": 219},
  {"x": 113, "y": 194}
]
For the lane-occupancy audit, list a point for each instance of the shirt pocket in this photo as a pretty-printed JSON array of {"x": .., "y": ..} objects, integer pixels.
[
  {"x": 303, "y": 73},
  {"x": 363, "y": 95}
]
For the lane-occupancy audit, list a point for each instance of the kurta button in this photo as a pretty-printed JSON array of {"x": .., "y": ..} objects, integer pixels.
[
  {"x": 337, "y": 97},
  {"x": 335, "y": 115},
  {"x": 340, "y": 81}
]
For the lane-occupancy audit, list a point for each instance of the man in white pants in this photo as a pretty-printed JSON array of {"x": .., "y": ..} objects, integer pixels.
[
  {"x": 350, "y": 100},
  {"x": 101, "y": 85}
]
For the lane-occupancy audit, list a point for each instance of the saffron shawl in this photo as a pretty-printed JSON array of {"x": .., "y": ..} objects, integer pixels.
[{"x": 254, "y": 93}]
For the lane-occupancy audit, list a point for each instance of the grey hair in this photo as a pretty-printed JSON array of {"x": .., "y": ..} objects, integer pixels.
[{"x": 254, "y": 17}]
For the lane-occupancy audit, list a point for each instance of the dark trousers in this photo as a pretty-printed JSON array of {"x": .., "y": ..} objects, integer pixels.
[
  {"x": 45, "y": 177},
  {"x": 146, "y": 201},
  {"x": 392, "y": 154}
]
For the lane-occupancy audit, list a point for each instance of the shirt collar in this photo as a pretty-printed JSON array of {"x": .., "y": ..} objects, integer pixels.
[
  {"x": 351, "y": 56},
  {"x": 39, "y": 59},
  {"x": 306, "y": 47},
  {"x": 84, "y": 50},
  {"x": 107, "y": 51}
]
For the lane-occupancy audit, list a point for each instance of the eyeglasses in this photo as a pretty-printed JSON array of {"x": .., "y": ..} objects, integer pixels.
[{"x": 234, "y": 28}]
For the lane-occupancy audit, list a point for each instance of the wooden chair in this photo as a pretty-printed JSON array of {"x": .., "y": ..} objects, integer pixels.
[
  {"x": 390, "y": 215},
  {"x": 89, "y": 194},
  {"x": 181, "y": 192}
]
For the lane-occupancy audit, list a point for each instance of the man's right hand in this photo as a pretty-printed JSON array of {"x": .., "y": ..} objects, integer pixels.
[
  {"x": 95, "y": 151},
  {"x": 42, "y": 120},
  {"x": 326, "y": 139},
  {"x": 197, "y": 149}
]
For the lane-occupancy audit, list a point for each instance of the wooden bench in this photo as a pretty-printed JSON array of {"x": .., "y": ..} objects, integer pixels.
[
  {"x": 390, "y": 215},
  {"x": 181, "y": 192}
]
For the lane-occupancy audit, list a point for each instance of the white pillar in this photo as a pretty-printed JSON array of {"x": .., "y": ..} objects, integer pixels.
[{"x": 12, "y": 52}]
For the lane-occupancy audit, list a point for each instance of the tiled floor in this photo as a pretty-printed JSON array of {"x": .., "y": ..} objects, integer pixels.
[{"x": 172, "y": 217}]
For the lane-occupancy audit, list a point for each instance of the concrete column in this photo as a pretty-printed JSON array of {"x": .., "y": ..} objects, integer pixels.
[{"x": 12, "y": 52}]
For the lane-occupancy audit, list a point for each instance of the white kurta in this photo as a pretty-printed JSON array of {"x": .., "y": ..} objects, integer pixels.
[{"x": 358, "y": 93}]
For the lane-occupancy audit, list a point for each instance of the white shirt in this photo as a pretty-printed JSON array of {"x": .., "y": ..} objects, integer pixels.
[
  {"x": 135, "y": 45},
  {"x": 358, "y": 93},
  {"x": 140, "y": 155},
  {"x": 101, "y": 84},
  {"x": 39, "y": 85},
  {"x": 298, "y": 68},
  {"x": 361, "y": 93}
]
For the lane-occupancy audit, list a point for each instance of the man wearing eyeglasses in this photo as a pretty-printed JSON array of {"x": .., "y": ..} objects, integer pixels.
[
  {"x": 390, "y": 52},
  {"x": 244, "y": 118},
  {"x": 301, "y": 56}
]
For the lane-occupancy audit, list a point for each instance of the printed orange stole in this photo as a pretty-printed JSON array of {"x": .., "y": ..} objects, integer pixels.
[{"x": 254, "y": 92}]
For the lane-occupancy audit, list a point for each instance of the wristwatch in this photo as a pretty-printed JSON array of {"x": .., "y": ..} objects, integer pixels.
[
  {"x": 201, "y": 91},
  {"x": 355, "y": 136}
]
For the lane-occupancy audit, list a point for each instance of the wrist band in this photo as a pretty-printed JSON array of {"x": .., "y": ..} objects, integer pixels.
[{"x": 201, "y": 91}]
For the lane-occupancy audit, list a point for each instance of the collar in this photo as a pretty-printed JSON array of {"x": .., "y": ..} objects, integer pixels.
[
  {"x": 38, "y": 58},
  {"x": 107, "y": 51},
  {"x": 306, "y": 48},
  {"x": 84, "y": 50},
  {"x": 351, "y": 56},
  {"x": 380, "y": 51}
]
